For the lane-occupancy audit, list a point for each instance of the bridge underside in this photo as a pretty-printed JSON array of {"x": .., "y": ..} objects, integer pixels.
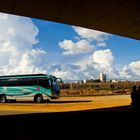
[{"x": 119, "y": 17}]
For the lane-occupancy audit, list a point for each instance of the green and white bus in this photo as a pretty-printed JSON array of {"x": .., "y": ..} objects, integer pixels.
[{"x": 37, "y": 86}]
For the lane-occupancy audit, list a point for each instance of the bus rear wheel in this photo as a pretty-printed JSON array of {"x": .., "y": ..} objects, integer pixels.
[
  {"x": 3, "y": 98},
  {"x": 38, "y": 98}
]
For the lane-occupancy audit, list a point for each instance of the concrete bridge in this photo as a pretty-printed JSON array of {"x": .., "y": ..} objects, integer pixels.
[{"x": 119, "y": 17}]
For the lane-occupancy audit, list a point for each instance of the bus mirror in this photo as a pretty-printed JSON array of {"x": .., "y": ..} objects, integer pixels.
[{"x": 59, "y": 80}]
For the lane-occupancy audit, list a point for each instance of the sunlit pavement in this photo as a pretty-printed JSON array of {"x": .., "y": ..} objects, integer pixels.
[{"x": 64, "y": 104}]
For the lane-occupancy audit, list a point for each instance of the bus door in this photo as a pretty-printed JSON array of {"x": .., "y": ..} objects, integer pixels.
[
  {"x": 45, "y": 83},
  {"x": 55, "y": 88}
]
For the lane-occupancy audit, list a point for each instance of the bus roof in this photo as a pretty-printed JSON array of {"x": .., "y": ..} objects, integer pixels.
[{"x": 26, "y": 76}]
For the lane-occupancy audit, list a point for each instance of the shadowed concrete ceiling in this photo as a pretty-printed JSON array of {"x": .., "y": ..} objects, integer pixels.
[{"x": 121, "y": 17}]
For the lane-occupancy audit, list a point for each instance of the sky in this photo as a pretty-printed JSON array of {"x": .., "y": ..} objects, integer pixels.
[{"x": 30, "y": 46}]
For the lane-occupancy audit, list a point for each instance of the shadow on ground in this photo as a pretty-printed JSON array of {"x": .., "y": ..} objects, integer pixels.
[
  {"x": 74, "y": 101},
  {"x": 108, "y": 123},
  {"x": 53, "y": 102}
]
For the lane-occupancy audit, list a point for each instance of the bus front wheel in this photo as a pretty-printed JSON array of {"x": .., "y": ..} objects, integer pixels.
[
  {"x": 38, "y": 98},
  {"x": 3, "y": 98}
]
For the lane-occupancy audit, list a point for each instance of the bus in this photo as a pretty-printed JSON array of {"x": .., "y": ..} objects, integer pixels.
[{"x": 36, "y": 86}]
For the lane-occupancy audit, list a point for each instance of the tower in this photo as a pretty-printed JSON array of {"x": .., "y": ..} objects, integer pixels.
[{"x": 102, "y": 77}]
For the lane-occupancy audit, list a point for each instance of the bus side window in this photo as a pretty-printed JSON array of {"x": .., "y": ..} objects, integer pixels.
[
  {"x": 33, "y": 82},
  {"x": 4, "y": 82},
  {"x": 22, "y": 82},
  {"x": 48, "y": 83}
]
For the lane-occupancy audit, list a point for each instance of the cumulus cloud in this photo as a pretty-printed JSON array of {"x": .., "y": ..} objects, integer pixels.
[
  {"x": 70, "y": 48},
  {"x": 101, "y": 44},
  {"x": 131, "y": 71},
  {"x": 88, "y": 41},
  {"x": 91, "y": 34},
  {"x": 99, "y": 61},
  {"x": 16, "y": 29},
  {"x": 66, "y": 75},
  {"x": 17, "y": 37},
  {"x": 70, "y": 72},
  {"x": 88, "y": 67},
  {"x": 103, "y": 61},
  {"x": 73, "y": 75},
  {"x": 86, "y": 63},
  {"x": 67, "y": 72}
]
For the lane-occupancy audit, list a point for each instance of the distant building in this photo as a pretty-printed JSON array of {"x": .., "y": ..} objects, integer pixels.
[
  {"x": 114, "y": 81},
  {"x": 88, "y": 81},
  {"x": 84, "y": 81},
  {"x": 102, "y": 77}
]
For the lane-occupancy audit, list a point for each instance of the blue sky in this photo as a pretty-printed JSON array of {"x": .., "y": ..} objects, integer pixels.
[
  {"x": 123, "y": 48},
  {"x": 72, "y": 53}
]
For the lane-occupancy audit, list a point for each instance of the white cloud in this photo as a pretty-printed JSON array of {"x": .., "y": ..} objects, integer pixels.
[
  {"x": 65, "y": 75},
  {"x": 91, "y": 34},
  {"x": 101, "y": 44},
  {"x": 17, "y": 55},
  {"x": 15, "y": 28},
  {"x": 135, "y": 67},
  {"x": 3, "y": 16},
  {"x": 71, "y": 72},
  {"x": 89, "y": 67},
  {"x": 85, "y": 63},
  {"x": 70, "y": 48},
  {"x": 131, "y": 71},
  {"x": 67, "y": 72},
  {"x": 103, "y": 58},
  {"x": 17, "y": 37},
  {"x": 103, "y": 61},
  {"x": 88, "y": 41},
  {"x": 99, "y": 61},
  {"x": 31, "y": 59}
]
